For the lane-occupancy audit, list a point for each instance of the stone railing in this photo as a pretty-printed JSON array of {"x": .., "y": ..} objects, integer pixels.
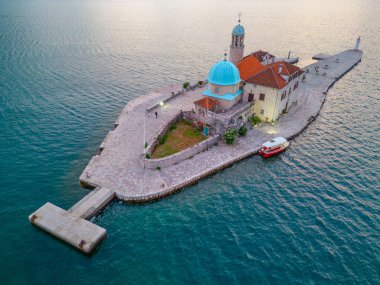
[
  {"x": 193, "y": 117},
  {"x": 218, "y": 117},
  {"x": 182, "y": 155},
  {"x": 242, "y": 109},
  {"x": 227, "y": 119}
]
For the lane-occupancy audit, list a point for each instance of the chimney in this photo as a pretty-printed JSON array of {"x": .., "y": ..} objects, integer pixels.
[{"x": 280, "y": 68}]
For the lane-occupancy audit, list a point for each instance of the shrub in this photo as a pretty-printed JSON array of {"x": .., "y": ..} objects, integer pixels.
[
  {"x": 242, "y": 131},
  {"x": 229, "y": 136},
  {"x": 186, "y": 84},
  {"x": 162, "y": 139},
  {"x": 147, "y": 156},
  {"x": 172, "y": 127},
  {"x": 200, "y": 82},
  {"x": 146, "y": 145},
  {"x": 255, "y": 121},
  {"x": 158, "y": 167}
]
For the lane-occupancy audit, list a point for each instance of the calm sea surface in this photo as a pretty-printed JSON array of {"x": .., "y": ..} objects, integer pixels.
[{"x": 309, "y": 216}]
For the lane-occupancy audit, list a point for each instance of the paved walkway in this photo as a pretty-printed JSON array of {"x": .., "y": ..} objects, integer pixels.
[{"x": 120, "y": 165}]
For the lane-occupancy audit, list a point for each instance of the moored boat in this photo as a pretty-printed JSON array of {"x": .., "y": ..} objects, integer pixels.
[{"x": 273, "y": 147}]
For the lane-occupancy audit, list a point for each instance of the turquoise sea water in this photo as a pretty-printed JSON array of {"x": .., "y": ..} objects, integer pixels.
[{"x": 309, "y": 216}]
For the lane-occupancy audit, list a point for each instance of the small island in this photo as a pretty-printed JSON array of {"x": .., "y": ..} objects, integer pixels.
[{"x": 169, "y": 139}]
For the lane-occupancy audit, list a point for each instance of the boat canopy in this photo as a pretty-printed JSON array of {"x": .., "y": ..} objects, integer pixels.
[{"x": 275, "y": 142}]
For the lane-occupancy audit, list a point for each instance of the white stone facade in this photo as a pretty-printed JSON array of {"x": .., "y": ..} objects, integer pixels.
[{"x": 271, "y": 102}]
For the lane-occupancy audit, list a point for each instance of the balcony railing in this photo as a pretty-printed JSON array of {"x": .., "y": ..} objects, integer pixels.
[{"x": 227, "y": 119}]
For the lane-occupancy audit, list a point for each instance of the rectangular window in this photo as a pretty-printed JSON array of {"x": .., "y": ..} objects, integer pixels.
[
  {"x": 262, "y": 97},
  {"x": 250, "y": 97},
  {"x": 262, "y": 111}
]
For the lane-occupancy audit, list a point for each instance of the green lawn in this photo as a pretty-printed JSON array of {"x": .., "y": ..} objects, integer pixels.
[{"x": 183, "y": 135}]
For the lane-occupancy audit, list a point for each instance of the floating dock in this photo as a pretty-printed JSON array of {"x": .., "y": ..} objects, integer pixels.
[{"x": 119, "y": 171}]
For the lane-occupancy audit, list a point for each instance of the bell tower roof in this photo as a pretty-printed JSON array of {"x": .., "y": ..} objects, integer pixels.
[{"x": 238, "y": 29}]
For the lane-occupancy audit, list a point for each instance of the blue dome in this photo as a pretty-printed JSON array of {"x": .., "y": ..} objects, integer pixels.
[
  {"x": 224, "y": 73},
  {"x": 238, "y": 30}
]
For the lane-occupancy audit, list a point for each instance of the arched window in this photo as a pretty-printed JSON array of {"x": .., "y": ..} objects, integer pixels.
[{"x": 216, "y": 90}]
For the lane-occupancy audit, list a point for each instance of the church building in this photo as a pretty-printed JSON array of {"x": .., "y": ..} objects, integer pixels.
[{"x": 256, "y": 84}]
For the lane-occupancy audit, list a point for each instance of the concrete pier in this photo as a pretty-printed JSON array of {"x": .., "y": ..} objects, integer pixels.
[
  {"x": 118, "y": 170},
  {"x": 75, "y": 231},
  {"x": 93, "y": 203},
  {"x": 71, "y": 226}
]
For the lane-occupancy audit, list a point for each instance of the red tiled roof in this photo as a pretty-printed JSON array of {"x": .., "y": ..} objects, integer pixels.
[
  {"x": 268, "y": 77},
  {"x": 207, "y": 103},
  {"x": 249, "y": 66},
  {"x": 287, "y": 68},
  {"x": 271, "y": 77},
  {"x": 259, "y": 55}
]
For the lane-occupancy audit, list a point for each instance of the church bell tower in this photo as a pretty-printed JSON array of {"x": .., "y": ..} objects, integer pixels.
[{"x": 237, "y": 43}]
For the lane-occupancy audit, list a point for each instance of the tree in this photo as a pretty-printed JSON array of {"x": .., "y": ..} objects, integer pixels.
[
  {"x": 229, "y": 136},
  {"x": 242, "y": 131},
  {"x": 255, "y": 121},
  {"x": 186, "y": 84}
]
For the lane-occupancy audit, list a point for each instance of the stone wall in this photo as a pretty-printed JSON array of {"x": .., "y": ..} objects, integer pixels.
[
  {"x": 162, "y": 132},
  {"x": 182, "y": 155}
]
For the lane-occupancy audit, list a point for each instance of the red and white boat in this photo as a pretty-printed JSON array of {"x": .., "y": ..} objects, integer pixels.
[{"x": 273, "y": 147}]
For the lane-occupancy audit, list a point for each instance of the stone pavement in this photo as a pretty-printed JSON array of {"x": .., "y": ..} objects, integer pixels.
[{"x": 120, "y": 165}]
